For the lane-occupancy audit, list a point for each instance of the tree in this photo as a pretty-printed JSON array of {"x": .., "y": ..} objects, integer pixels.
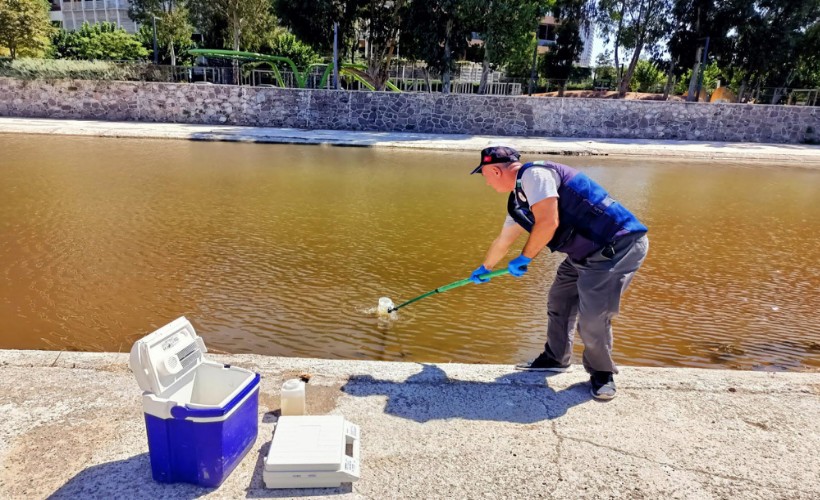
[
  {"x": 25, "y": 26},
  {"x": 711, "y": 76},
  {"x": 241, "y": 24},
  {"x": 574, "y": 17},
  {"x": 756, "y": 44},
  {"x": 519, "y": 63},
  {"x": 312, "y": 21},
  {"x": 506, "y": 29},
  {"x": 695, "y": 20},
  {"x": 102, "y": 41},
  {"x": 767, "y": 42},
  {"x": 609, "y": 17},
  {"x": 808, "y": 63},
  {"x": 604, "y": 71},
  {"x": 382, "y": 22},
  {"x": 635, "y": 25},
  {"x": 141, "y": 11},
  {"x": 244, "y": 23},
  {"x": 379, "y": 20},
  {"x": 437, "y": 30},
  {"x": 174, "y": 29}
]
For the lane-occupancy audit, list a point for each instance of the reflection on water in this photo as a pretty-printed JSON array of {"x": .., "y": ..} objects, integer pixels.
[{"x": 285, "y": 250}]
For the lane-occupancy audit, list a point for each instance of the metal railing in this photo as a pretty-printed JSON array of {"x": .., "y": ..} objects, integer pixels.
[
  {"x": 464, "y": 72},
  {"x": 225, "y": 75},
  {"x": 269, "y": 78},
  {"x": 284, "y": 79},
  {"x": 781, "y": 95},
  {"x": 186, "y": 74},
  {"x": 803, "y": 97}
]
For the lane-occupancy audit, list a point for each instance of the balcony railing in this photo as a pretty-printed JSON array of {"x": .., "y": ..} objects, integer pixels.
[{"x": 98, "y": 5}]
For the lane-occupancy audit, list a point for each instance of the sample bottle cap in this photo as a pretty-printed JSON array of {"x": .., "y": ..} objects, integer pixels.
[{"x": 292, "y": 384}]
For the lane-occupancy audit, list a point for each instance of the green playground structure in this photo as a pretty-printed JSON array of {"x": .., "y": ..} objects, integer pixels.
[{"x": 353, "y": 71}]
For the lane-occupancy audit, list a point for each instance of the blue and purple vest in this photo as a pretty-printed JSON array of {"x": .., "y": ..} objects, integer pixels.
[{"x": 588, "y": 218}]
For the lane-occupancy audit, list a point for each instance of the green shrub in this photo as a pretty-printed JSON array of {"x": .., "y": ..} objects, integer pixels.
[
  {"x": 584, "y": 85},
  {"x": 49, "y": 69},
  {"x": 646, "y": 78},
  {"x": 606, "y": 73},
  {"x": 711, "y": 75},
  {"x": 102, "y": 41},
  {"x": 284, "y": 44}
]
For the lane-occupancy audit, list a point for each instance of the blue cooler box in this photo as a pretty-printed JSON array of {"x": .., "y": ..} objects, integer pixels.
[{"x": 201, "y": 417}]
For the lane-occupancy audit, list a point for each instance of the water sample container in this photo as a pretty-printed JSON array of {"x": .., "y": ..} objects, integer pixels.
[
  {"x": 201, "y": 417},
  {"x": 384, "y": 307},
  {"x": 293, "y": 397}
]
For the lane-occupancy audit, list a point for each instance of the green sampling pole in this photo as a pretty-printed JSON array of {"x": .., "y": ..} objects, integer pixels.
[{"x": 444, "y": 288}]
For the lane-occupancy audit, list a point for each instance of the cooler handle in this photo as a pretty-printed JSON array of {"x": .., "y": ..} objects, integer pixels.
[{"x": 183, "y": 412}]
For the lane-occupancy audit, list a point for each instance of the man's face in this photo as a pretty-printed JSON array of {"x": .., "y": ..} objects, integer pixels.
[{"x": 495, "y": 177}]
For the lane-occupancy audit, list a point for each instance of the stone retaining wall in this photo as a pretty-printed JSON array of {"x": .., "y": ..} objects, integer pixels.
[{"x": 408, "y": 112}]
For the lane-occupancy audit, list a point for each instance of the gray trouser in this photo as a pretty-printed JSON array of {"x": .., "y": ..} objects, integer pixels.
[{"x": 589, "y": 291}]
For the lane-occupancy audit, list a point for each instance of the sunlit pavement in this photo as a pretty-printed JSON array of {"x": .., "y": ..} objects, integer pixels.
[
  {"x": 776, "y": 154},
  {"x": 72, "y": 426}
]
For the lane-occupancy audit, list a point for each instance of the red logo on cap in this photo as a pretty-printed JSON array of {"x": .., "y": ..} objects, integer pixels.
[{"x": 488, "y": 159}]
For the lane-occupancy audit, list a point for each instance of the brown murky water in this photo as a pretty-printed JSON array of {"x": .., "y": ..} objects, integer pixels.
[{"x": 285, "y": 250}]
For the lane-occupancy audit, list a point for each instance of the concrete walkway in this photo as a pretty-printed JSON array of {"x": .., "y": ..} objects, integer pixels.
[
  {"x": 779, "y": 154},
  {"x": 72, "y": 427}
]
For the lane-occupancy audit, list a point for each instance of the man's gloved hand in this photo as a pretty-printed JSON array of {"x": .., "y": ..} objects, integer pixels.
[
  {"x": 518, "y": 266},
  {"x": 476, "y": 276}
]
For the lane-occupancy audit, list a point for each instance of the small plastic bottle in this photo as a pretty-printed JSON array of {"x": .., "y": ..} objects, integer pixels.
[{"x": 293, "y": 397}]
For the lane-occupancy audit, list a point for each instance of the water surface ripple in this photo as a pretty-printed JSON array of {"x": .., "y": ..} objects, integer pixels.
[{"x": 285, "y": 250}]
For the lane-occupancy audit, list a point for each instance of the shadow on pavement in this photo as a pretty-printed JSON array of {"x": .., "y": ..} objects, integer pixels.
[
  {"x": 518, "y": 397},
  {"x": 129, "y": 478}
]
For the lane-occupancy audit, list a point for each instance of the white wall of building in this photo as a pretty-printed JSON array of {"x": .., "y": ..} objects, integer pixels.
[
  {"x": 585, "y": 59},
  {"x": 73, "y": 13}
]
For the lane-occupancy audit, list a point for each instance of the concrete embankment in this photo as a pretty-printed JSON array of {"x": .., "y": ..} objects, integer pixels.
[
  {"x": 72, "y": 427},
  {"x": 766, "y": 154},
  {"x": 424, "y": 112}
]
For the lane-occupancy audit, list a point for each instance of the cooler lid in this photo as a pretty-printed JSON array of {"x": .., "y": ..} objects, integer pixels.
[
  {"x": 161, "y": 358},
  {"x": 307, "y": 443}
]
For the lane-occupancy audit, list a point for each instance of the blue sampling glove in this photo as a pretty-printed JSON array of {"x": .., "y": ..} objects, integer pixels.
[
  {"x": 476, "y": 276},
  {"x": 518, "y": 266}
]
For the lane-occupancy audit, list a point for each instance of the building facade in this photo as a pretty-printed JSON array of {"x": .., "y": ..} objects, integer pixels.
[
  {"x": 71, "y": 14},
  {"x": 547, "y": 37}
]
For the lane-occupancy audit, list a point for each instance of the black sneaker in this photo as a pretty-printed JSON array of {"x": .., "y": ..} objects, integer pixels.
[
  {"x": 603, "y": 385},
  {"x": 542, "y": 363}
]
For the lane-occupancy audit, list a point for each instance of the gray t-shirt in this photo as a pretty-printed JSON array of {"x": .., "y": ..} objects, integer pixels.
[{"x": 538, "y": 184}]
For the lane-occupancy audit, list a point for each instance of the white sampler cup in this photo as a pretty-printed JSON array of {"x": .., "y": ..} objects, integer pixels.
[{"x": 385, "y": 305}]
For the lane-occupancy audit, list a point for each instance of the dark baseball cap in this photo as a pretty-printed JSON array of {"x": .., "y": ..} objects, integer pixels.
[{"x": 496, "y": 154}]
